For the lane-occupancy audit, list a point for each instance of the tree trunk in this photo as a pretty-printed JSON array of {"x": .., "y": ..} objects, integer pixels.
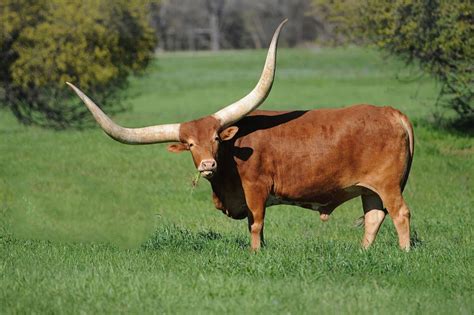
[{"x": 214, "y": 30}]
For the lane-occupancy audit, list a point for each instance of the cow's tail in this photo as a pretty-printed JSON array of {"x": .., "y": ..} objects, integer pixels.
[{"x": 411, "y": 147}]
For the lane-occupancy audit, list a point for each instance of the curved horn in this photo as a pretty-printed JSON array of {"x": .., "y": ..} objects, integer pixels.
[
  {"x": 146, "y": 135},
  {"x": 251, "y": 101}
]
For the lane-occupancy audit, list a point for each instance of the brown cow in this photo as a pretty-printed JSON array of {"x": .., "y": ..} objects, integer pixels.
[{"x": 314, "y": 159}]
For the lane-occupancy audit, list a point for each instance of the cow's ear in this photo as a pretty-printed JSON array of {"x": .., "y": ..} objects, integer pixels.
[
  {"x": 228, "y": 133},
  {"x": 178, "y": 147}
]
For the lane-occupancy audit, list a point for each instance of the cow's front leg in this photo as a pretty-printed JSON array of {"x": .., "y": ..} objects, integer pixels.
[
  {"x": 256, "y": 222},
  {"x": 256, "y": 199}
]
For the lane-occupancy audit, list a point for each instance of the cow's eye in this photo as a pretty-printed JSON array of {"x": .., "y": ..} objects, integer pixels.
[
  {"x": 191, "y": 144},
  {"x": 216, "y": 138}
]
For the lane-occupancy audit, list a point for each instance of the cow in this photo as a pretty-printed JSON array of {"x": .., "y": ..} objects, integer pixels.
[{"x": 315, "y": 159}]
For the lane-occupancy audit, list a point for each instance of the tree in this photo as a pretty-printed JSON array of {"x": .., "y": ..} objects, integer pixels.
[
  {"x": 95, "y": 44},
  {"x": 436, "y": 35},
  {"x": 341, "y": 20}
]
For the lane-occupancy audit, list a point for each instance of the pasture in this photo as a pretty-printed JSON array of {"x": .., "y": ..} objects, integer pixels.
[{"x": 89, "y": 225}]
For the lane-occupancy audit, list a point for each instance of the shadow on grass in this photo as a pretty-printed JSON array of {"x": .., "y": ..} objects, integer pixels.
[
  {"x": 455, "y": 126},
  {"x": 415, "y": 240},
  {"x": 175, "y": 237},
  {"x": 464, "y": 125}
]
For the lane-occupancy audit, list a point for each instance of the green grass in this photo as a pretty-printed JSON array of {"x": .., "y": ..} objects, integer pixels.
[{"x": 88, "y": 225}]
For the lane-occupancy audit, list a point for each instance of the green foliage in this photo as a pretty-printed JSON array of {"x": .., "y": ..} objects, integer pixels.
[
  {"x": 341, "y": 19},
  {"x": 436, "y": 35},
  {"x": 95, "y": 44}
]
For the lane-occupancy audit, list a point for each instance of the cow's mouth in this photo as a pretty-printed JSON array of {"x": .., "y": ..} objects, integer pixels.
[{"x": 207, "y": 174}]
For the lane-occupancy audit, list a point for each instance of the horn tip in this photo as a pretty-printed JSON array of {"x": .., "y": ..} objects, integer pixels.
[
  {"x": 78, "y": 92},
  {"x": 282, "y": 24}
]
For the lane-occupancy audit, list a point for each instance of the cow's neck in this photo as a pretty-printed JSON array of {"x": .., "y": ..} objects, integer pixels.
[{"x": 227, "y": 187}]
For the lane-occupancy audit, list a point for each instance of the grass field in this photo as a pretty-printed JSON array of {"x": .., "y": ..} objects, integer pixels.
[{"x": 88, "y": 225}]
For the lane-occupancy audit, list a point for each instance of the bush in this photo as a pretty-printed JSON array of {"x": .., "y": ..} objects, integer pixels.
[
  {"x": 95, "y": 44},
  {"x": 437, "y": 35}
]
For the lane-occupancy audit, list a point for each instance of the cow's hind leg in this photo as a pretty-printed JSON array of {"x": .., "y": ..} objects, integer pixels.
[
  {"x": 400, "y": 214},
  {"x": 373, "y": 217}
]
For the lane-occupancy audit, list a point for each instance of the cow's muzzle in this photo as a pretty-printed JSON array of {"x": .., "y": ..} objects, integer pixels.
[{"x": 207, "y": 168}]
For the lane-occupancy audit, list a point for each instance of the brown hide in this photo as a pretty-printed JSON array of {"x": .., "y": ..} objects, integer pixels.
[
  {"x": 315, "y": 159},
  {"x": 317, "y": 156}
]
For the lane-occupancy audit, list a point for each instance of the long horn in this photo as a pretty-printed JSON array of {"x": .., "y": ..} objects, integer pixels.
[
  {"x": 234, "y": 112},
  {"x": 146, "y": 135}
]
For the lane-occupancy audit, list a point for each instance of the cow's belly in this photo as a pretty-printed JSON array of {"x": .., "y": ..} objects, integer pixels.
[
  {"x": 318, "y": 201},
  {"x": 277, "y": 200}
]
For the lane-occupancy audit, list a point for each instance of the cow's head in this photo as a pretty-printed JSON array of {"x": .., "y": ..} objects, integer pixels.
[{"x": 201, "y": 136}]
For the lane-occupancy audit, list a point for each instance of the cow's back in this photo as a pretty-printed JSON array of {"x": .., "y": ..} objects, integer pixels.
[{"x": 306, "y": 154}]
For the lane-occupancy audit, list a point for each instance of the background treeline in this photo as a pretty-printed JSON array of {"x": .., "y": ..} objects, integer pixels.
[
  {"x": 99, "y": 43},
  {"x": 235, "y": 24}
]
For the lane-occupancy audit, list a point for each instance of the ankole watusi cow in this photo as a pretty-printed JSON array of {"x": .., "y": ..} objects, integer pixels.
[{"x": 314, "y": 159}]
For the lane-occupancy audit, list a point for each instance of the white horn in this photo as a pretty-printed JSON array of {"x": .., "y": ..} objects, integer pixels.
[
  {"x": 236, "y": 111},
  {"x": 146, "y": 135}
]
